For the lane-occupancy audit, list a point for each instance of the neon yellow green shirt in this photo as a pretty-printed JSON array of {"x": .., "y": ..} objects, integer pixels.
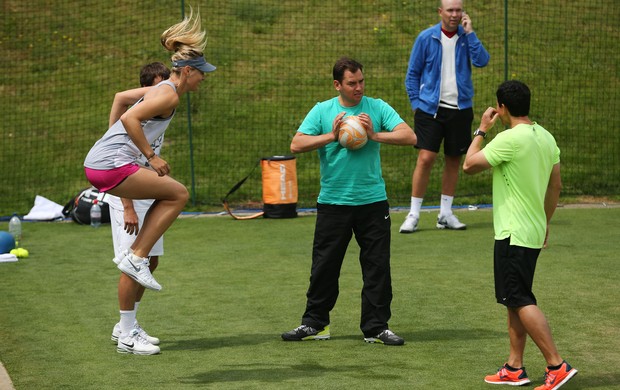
[{"x": 522, "y": 160}]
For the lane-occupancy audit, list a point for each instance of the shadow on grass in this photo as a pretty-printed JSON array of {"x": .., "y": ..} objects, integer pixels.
[
  {"x": 270, "y": 374},
  {"x": 208, "y": 343},
  {"x": 439, "y": 335},
  {"x": 455, "y": 334}
]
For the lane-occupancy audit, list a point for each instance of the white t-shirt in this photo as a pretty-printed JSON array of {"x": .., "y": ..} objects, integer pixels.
[{"x": 449, "y": 92}]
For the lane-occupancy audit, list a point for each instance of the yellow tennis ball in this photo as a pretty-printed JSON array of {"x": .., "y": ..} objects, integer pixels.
[{"x": 20, "y": 252}]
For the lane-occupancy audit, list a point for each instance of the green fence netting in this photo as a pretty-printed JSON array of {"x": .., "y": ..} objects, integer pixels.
[{"x": 64, "y": 60}]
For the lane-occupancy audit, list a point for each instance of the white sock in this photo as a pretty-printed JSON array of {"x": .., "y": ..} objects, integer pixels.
[
  {"x": 128, "y": 319},
  {"x": 446, "y": 205},
  {"x": 135, "y": 309},
  {"x": 416, "y": 206},
  {"x": 137, "y": 259}
]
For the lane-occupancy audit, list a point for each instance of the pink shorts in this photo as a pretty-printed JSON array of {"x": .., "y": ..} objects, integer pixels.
[{"x": 105, "y": 180}]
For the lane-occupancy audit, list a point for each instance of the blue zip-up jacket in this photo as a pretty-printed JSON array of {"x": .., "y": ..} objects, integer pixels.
[{"x": 423, "y": 80}]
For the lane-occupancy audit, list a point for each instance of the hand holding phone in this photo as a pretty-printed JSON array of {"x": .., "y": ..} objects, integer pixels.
[{"x": 466, "y": 22}]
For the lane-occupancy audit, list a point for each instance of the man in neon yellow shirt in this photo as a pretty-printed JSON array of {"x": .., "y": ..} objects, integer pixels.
[{"x": 526, "y": 188}]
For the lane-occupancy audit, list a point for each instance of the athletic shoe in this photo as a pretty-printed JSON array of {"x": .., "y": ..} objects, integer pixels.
[
  {"x": 124, "y": 253},
  {"x": 136, "y": 344},
  {"x": 304, "y": 332},
  {"x": 410, "y": 225},
  {"x": 116, "y": 332},
  {"x": 138, "y": 269},
  {"x": 386, "y": 337},
  {"x": 554, "y": 379},
  {"x": 506, "y": 376},
  {"x": 450, "y": 222}
]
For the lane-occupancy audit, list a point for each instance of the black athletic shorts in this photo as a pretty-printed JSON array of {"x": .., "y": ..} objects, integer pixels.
[
  {"x": 453, "y": 127},
  {"x": 514, "y": 268}
]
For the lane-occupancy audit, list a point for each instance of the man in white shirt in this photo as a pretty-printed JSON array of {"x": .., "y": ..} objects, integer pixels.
[{"x": 440, "y": 90}]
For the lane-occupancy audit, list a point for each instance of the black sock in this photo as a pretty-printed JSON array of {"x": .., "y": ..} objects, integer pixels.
[
  {"x": 551, "y": 368},
  {"x": 510, "y": 368}
]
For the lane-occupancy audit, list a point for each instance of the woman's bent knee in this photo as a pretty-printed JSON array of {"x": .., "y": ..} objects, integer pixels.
[{"x": 184, "y": 195}]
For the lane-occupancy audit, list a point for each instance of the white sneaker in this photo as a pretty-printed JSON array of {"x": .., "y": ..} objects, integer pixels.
[
  {"x": 136, "y": 344},
  {"x": 410, "y": 225},
  {"x": 124, "y": 253},
  {"x": 116, "y": 332},
  {"x": 138, "y": 269},
  {"x": 450, "y": 222}
]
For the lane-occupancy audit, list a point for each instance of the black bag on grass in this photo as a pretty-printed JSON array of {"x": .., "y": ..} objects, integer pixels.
[{"x": 78, "y": 208}]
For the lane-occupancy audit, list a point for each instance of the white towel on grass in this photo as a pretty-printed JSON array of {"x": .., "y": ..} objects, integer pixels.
[
  {"x": 7, "y": 258},
  {"x": 44, "y": 210}
]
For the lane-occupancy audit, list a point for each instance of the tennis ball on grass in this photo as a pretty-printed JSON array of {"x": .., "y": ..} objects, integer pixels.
[{"x": 20, "y": 252}]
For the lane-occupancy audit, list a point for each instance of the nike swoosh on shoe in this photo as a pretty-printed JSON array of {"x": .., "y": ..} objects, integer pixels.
[{"x": 134, "y": 266}]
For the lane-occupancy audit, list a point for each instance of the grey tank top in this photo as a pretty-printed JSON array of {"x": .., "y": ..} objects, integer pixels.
[{"x": 116, "y": 148}]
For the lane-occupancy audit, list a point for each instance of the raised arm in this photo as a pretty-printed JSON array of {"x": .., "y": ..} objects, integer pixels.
[
  {"x": 122, "y": 101},
  {"x": 475, "y": 160},
  {"x": 160, "y": 101},
  {"x": 402, "y": 134},
  {"x": 304, "y": 143}
]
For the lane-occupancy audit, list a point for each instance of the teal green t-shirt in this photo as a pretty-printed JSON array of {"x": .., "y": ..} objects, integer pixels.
[
  {"x": 350, "y": 177},
  {"x": 522, "y": 160}
]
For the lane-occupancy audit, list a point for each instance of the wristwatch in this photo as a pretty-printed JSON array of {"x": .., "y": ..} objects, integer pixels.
[{"x": 481, "y": 133}]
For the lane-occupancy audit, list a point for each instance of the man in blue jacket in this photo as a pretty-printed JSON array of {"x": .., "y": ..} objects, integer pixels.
[{"x": 441, "y": 92}]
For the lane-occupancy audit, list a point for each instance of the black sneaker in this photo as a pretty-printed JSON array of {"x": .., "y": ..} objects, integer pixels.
[
  {"x": 304, "y": 332},
  {"x": 386, "y": 337}
]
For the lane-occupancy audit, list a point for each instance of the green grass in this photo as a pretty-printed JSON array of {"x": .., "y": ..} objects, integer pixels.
[
  {"x": 231, "y": 287},
  {"x": 274, "y": 60}
]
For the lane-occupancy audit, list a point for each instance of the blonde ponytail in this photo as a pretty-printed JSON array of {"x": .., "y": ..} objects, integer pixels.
[{"x": 186, "y": 38}]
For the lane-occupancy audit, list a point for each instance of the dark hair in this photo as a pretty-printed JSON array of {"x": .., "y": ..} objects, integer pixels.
[
  {"x": 152, "y": 70},
  {"x": 345, "y": 63},
  {"x": 516, "y": 96}
]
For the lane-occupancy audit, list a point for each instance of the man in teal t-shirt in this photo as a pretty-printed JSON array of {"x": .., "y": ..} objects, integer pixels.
[
  {"x": 526, "y": 188},
  {"x": 352, "y": 200}
]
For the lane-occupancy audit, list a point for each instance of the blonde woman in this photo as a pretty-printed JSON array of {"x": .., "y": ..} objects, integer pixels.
[
  {"x": 127, "y": 215},
  {"x": 111, "y": 166}
]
